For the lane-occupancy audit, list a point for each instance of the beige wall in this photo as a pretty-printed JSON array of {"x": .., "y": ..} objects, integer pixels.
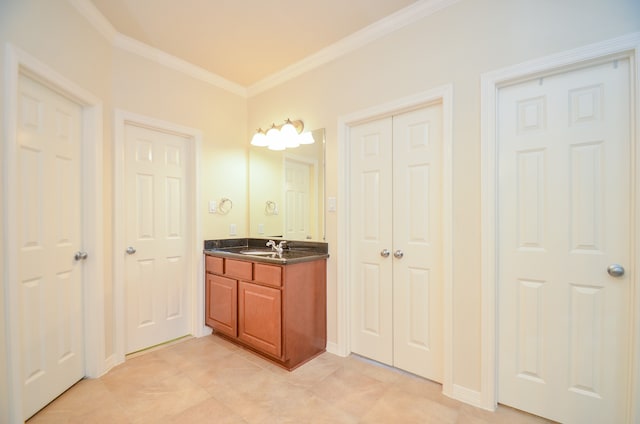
[
  {"x": 454, "y": 46},
  {"x": 143, "y": 87},
  {"x": 54, "y": 33}
]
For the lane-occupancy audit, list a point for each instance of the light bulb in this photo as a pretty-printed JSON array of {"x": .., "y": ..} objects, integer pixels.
[
  {"x": 259, "y": 139},
  {"x": 289, "y": 135},
  {"x": 277, "y": 144},
  {"x": 272, "y": 135},
  {"x": 306, "y": 138}
]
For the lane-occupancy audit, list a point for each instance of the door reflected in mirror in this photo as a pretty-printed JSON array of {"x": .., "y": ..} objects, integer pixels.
[{"x": 286, "y": 191}]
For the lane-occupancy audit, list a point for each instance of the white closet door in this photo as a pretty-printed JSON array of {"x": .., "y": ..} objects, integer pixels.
[
  {"x": 564, "y": 218},
  {"x": 396, "y": 241},
  {"x": 371, "y": 234},
  {"x": 417, "y": 234}
]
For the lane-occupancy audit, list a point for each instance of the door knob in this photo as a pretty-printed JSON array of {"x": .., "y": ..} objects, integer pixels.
[
  {"x": 385, "y": 253},
  {"x": 615, "y": 270},
  {"x": 80, "y": 256},
  {"x": 131, "y": 250},
  {"x": 398, "y": 254}
]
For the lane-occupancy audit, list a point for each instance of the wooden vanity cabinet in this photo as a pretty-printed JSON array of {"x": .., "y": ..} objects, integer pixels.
[{"x": 278, "y": 311}]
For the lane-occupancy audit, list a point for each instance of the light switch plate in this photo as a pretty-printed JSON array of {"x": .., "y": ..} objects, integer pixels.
[
  {"x": 232, "y": 230},
  {"x": 331, "y": 204},
  {"x": 213, "y": 206}
]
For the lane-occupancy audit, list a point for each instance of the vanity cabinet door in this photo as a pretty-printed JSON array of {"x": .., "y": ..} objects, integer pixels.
[
  {"x": 222, "y": 301},
  {"x": 260, "y": 317}
]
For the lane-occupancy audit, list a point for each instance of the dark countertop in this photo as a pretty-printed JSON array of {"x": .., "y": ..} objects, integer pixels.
[{"x": 295, "y": 251}]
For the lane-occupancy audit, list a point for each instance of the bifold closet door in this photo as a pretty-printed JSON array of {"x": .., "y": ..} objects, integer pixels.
[{"x": 396, "y": 262}]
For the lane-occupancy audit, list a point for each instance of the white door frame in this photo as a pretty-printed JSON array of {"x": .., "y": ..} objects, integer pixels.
[
  {"x": 19, "y": 62},
  {"x": 195, "y": 294},
  {"x": 623, "y": 47},
  {"x": 444, "y": 95}
]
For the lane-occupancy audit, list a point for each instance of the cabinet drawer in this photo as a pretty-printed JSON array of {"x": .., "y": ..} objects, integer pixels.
[
  {"x": 268, "y": 274},
  {"x": 238, "y": 269},
  {"x": 213, "y": 264}
]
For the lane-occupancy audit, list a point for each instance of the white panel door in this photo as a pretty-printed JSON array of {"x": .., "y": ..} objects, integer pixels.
[
  {"x": 396, "y": 236},
  {"x": 156, "y": 274},
  {"x": 297, "y": 196},
  {"x": 417, "y": 242},
  {"x": 49, "y": 218},
  {"x": 564, "y": 217},
  {"x": 371, "y": 216}
]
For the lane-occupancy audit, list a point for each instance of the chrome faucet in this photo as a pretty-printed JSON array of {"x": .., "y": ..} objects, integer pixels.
[{"x": 278, "y": 248}]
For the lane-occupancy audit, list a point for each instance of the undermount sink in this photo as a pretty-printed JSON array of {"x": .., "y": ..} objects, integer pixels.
[{"x": 257, "y": 252}]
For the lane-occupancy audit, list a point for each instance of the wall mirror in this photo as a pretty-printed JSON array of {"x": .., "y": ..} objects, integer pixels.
[{"x": 286, "y": 191}]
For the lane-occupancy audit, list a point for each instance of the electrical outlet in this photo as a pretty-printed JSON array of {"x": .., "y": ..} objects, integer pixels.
[
  {"x": 260, "y": 228},
  {"x": 232, "y": 229},
  {"x": 213, "y": 206}
]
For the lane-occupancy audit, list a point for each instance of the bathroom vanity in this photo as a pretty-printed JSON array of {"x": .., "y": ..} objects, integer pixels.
[{"x": 268, "y": 300}]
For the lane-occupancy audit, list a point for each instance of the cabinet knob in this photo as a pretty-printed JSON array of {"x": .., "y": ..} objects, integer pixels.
[{"x": 131, "y": 250}]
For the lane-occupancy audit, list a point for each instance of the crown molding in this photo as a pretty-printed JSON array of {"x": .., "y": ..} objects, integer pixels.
[
  {"x": 159, "y": 56},
  {"x": 418, "y": 10},
  {"x": 118, "y": 40},
  {"x": 97, "y": 19}
]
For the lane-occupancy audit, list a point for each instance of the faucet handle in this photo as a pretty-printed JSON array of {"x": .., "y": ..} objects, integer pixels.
[{"x": 271, "y": 243}]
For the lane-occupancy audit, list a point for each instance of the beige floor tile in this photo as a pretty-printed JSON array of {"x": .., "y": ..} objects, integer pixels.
[
  {"x": 308, "y": 409},
  {"x": 310, "y": 374},
  {"x": 153, "y": 399},
  {"x": 503, "y": 415},
  {"x": 373, "y": 369},
  {"x": 210, "y": 380},
  {"x": 208, "y": 411},
  {"x": 403, "y": 407},
  {"x": 352, "y": 391}
]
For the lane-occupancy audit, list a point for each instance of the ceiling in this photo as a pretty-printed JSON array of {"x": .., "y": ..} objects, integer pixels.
[{"x": 243, "y": 41}]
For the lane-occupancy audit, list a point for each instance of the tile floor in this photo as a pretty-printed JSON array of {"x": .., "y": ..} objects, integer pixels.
[{"x": 209, "y": 380}]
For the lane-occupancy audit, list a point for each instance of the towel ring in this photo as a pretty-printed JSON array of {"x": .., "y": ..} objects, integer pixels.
[
  {"x": 225, "y": 206},
  {"x": 271, "y": 208}
]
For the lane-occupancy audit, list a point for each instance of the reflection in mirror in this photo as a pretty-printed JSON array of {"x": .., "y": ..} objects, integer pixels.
[{"x": 286, "y": 191}]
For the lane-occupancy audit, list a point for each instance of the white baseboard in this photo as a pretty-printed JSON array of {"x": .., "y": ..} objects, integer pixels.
[
  {"x": 333, "y": 348},
  {"x": 204, "y": 331},
  {"x": 466, "y": 395},
  {"x": 110, "y": 362}
]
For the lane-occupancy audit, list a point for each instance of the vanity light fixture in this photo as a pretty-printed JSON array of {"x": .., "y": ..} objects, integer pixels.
[{"x": 288, "y": 135}]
